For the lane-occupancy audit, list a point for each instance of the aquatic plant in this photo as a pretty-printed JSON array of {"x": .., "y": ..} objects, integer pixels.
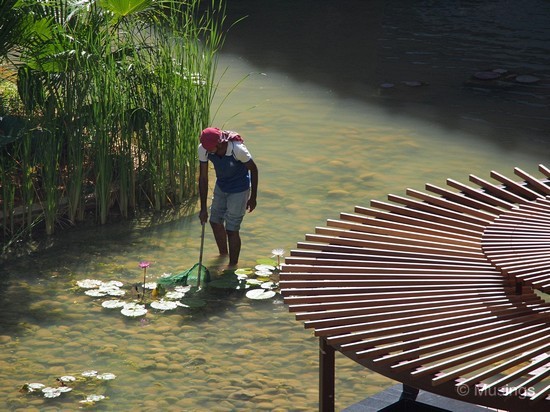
[
  {"x": 87, "y": 380},
  {"x": 278, "y": 253},
  {"x": 114, "y": 94},
  {"x": 144, "y": 266}
]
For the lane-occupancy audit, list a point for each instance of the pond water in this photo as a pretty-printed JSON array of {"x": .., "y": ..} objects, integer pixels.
[{"x": 326, "y": 136}]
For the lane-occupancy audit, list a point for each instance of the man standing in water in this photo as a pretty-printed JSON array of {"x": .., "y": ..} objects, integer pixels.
[{"x": 235, "y": 190}]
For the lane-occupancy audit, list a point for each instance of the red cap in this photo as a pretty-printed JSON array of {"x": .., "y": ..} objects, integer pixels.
[{"x": 210, "y": 137}]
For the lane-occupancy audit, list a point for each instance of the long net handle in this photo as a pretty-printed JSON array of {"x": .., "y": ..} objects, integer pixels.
[{"x": 200, "y": 256}]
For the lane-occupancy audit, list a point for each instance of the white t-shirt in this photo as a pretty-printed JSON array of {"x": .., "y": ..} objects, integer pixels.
[{"x": 235, "y": 149}]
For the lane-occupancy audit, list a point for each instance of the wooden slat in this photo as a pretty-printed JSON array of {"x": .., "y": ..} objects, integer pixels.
[
  {"x": 436, "y": 289},
  {"x": 535, "y": 183},
  {"x": 480, "y": 195},
  {"x": 496, "y": 190},
  {"x": 517, "y": 188}
]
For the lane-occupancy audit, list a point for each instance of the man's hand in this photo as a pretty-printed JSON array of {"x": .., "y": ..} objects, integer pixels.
[
  {"x": 203, "y": 216},
  {"x": 251, "y": 205}
]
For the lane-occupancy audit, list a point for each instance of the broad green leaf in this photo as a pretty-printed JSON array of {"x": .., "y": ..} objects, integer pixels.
[{"x": 122, "y": 8}]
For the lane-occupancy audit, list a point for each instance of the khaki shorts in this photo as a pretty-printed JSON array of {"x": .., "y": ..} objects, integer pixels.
[{"x": 228, "y": 208}]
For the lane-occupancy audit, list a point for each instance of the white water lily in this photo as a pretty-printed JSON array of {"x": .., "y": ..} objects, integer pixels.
[
  {"x": 89, "y": 283},
  {"x": 89, "y": 373},
  {"x": 182, "y": 289},
  {"x": 65, "y": 389},
  {"x": 133, "y": 310},
  {"x": 254, "y": 282},
  {"x": 260, "y": 294},
  {"x": 278, "y": 252},
  {"x": 113, "y": 304},
  {"x": 151, "y": 285}
]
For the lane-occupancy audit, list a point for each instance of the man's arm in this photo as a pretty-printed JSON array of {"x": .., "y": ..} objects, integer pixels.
[
  {"x": 251, "y": 166},
  {"x": 203, "y": 191}
]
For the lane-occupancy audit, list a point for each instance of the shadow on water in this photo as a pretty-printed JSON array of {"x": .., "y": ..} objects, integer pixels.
[{"x": 411, "y": 58}]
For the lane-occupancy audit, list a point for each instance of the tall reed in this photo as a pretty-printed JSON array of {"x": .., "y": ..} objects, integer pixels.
[{"x": 117, "y": 92}]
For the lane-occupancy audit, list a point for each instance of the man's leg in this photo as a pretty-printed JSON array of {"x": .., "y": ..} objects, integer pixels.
[
  {"x": 221, "y": 237},
  {"x": 234, "y": 247}
]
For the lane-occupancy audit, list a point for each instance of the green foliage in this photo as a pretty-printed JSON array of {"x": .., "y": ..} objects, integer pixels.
[
  {"x": 118, "y": 91},
  {"x": 10, "y": 102}
]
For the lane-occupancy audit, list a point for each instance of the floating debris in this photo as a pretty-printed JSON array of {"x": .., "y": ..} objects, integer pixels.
[
  {"x": 486, "y": 75},
  {"x": 526, "y": 78},
  {"x": 387, "y": 85},
  {"x": 413, "y": 83}
]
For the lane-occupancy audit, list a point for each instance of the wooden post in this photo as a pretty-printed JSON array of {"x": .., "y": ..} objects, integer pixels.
[{"x": 326, "y": 376}]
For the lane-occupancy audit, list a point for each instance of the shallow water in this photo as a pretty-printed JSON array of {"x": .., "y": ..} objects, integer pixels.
[{"x": 321, "y": 148}]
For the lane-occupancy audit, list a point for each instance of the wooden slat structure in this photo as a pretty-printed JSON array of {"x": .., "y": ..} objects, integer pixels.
[{"x": 444, "y": 291}]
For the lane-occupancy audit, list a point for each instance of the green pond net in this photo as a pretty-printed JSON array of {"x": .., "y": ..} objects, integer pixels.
[{"x": 198, "y": 275}]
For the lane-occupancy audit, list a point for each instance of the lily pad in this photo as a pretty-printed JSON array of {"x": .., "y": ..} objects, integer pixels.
[
  {"x": 96, "y": 293},
  {"x": 266, "y": 261},
  {"x": 226, "y": 281},
  {"x": 193, "y": 302},
  {"x": 113, "y": 304},
  {"x": 107, "y": 376},
  {"x": 89, "y": 283},
  {"x": 260, "y": 294},
  {"x": 164, "y": 304},
  {"x": 31, "y": 387},
  {"x": 50, "y": 392},
  {"x": 133, "y": 310},
  {"x": 174, "y": 294},
  {"x": 67, "y": 378},
  {"x": 244, "y": 271},
  {"x": 264, "y": 267}
]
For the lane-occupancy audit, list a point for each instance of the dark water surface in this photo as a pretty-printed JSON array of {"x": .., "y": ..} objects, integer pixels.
[{"x": 326, "y": 136}]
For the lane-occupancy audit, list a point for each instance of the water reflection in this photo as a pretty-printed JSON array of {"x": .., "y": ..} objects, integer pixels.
[
  {"x": 351, "y": 47},
  {"x": 325, "y": 139}
]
